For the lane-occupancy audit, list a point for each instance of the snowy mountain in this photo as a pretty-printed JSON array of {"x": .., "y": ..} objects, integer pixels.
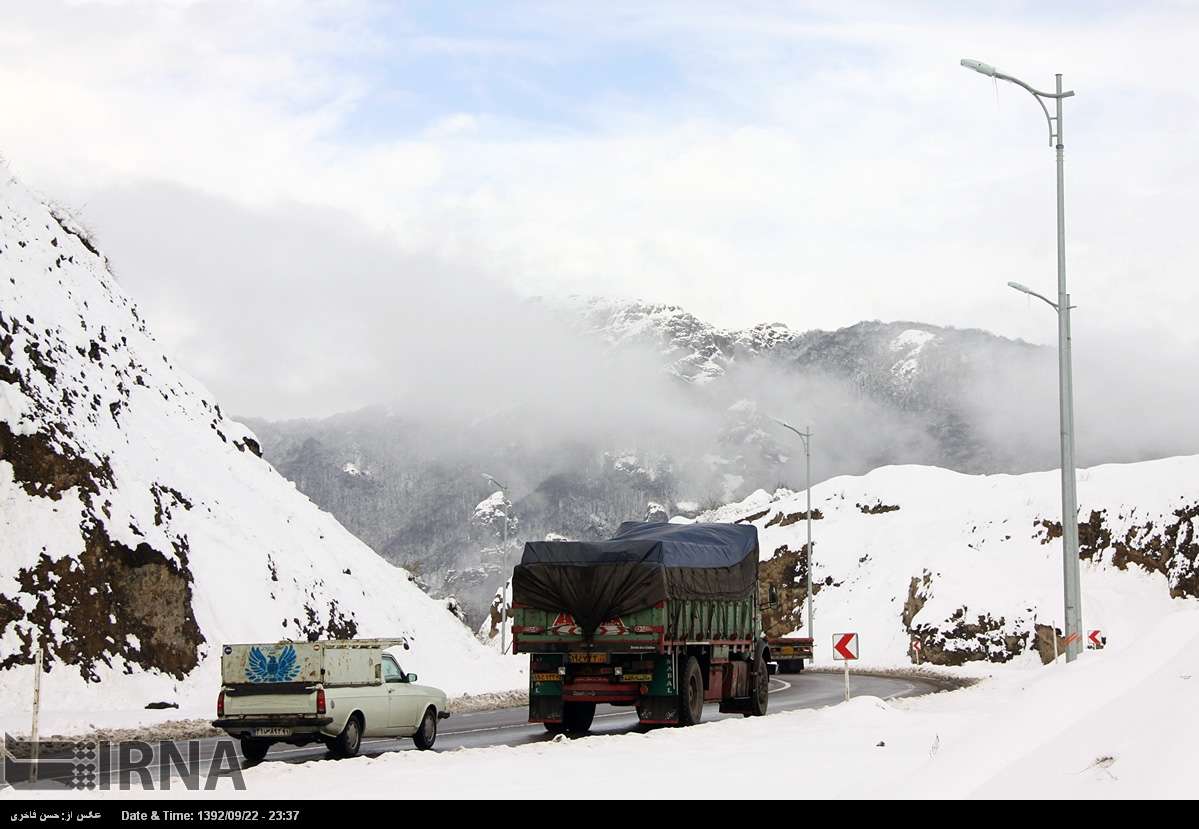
[
  {"x": 970, "y": 565},
  {"x": 139, "y": 526},
  {"x": 692, "y": 350},
  {"x": 406, "y": 481}
]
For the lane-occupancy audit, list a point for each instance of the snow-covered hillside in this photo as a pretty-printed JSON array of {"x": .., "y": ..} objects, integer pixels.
[
  {"x": 140, "y": 528},
  {"x": 970, "y": 565}
]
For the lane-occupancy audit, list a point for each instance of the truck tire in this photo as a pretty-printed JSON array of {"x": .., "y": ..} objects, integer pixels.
[
  {"x": 691, "y": 692},
  {"x": 577, "y": 716},
  {"x": 760, "y": 692},
  {"x": 254, "y": 750},
  {"x": 426, "y": 735},
  {"x": 349, "y": 741}
]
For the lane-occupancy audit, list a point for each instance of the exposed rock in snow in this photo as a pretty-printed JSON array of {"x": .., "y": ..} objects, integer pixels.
[{"x": 656, "y": 512}]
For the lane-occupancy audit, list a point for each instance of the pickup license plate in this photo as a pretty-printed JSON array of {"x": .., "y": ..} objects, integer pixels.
[
  {"x": 277, "y": 731},
  {"x": 589, "y": 657}
]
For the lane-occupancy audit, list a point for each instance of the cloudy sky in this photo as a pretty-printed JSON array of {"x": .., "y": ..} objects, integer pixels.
[{"x": 291, "y": 189}]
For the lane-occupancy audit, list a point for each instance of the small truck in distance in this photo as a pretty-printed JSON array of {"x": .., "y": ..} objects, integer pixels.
[
  {"x": 662, "y": 617},
  {"x": 789, "y": 652},
  {"x": 335, "y": 691}
]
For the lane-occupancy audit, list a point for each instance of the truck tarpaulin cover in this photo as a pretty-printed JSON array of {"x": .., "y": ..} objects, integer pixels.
[{"x": 645, "y": 563}]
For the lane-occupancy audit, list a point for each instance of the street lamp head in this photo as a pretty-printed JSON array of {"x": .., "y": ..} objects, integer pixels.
[
  {"x": 980, "y": 67},
  {"x": 1021, "y": 288}
]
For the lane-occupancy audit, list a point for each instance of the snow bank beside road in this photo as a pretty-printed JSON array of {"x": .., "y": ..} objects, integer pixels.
[{"x": 1117, "y": 723}]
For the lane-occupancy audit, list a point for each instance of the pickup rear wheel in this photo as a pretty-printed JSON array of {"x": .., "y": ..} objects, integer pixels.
[
  {"x": 426, "y": 735},
  {"x": 691, "y": 693},
  {"x": 347, "y": 743},
  {"x": 254, "y": 750}
]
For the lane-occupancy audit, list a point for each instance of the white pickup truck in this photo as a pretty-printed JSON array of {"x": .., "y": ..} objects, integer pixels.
[{"x": 335, "y": 691}]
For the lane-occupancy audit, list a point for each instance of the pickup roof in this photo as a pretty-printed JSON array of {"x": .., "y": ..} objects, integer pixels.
[{"x": 334, "y": 691}]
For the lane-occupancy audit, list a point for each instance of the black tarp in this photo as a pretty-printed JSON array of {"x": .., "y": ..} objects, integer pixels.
[{"x": 643, "y": 564}]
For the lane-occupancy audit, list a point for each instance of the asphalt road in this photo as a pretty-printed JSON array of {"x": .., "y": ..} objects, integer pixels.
[{"x": 510, "y": 726}]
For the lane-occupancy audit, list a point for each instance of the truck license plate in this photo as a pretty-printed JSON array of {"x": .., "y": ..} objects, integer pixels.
[
  {"x": 547, "y": 678},
  {"x": 589, "y": 657},
  {"x": 272, "y": 732},
  {"x": 786, "y": 651}
]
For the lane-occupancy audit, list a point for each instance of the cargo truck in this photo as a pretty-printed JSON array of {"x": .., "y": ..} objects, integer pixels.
[
  {"x": 789, "y": 652},
  {"x": 662, "y": 617},
  {"x": 334, "y": 691}
]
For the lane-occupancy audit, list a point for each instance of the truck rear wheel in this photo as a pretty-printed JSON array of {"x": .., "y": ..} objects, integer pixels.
[
  {"x": 254, "y": 750},
  {"x": 760, "y": 694},
  {"x": 577, "y": 716},
  {"x": 691, "y": 692}
]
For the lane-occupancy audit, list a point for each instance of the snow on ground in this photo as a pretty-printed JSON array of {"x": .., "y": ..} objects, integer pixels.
[
  {"x": 1117, "y": 723},
  {"x": 140, "y": 529},
  {"x": 972, "y": 550}
]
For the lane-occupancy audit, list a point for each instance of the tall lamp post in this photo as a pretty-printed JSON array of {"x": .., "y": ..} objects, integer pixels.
[
  {"x": 806, "y": 437},
  {"x": 1070, "y": 566},
  {"x": 504, "y": 587}
]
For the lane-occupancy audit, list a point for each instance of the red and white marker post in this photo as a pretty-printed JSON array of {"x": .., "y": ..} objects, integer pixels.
[
  {"x": 845, "y": 648},
  {"x": 1095, "y": 640},
  {"x": 916, "y": 646}
]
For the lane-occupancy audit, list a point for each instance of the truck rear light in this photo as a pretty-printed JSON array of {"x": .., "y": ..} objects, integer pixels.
[
  {"x": 320, "y": 700},
  {"x": 220, "y": 704}
]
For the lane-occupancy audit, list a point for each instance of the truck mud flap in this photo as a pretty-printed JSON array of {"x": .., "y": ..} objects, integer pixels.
[
  {"x": 736, "y": 706},
  {"x": 658, "y": 710},
  {"x": 545, "y": 709}
]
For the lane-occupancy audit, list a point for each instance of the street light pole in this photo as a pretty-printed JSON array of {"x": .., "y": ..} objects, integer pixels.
[
  {"x": 1070, "y": 566},
  {"x": 806, "y": 437}
]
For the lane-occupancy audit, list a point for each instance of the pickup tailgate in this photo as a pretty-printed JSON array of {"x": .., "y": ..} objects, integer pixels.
[{"x": 255, "y": 703}]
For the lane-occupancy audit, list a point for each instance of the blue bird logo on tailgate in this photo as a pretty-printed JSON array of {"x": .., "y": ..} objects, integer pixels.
[{"x": 278, "y": 666}]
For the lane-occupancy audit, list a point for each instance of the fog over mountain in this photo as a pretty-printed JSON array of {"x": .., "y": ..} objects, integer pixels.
[{"x": 592, "y": 411}]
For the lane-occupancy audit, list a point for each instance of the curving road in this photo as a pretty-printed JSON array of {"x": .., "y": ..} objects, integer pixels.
[{"x": 510, "y": 726}]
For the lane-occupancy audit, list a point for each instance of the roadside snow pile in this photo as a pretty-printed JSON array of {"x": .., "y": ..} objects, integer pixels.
[
  {"x": 970, "y": 565},
  {"x": 139, "y": 526}
]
